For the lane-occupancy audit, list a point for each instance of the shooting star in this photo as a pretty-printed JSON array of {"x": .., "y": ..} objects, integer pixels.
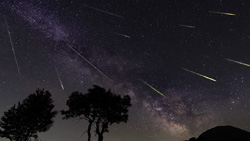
[
  {"x": 123, "y": 35},
  {"x": 153, "y": 88},
  {"x": 12, "y": 47},
  {"x": 88, "y": 61},
  {"x": 199, "y": 74},
  {"x": 112, "y": 14},
  {"x": 222, "y": 13},
  {"x": 59, "y": 78},
  {"x": 188, "y": 26},
  {"x": 237, "y": 62}
]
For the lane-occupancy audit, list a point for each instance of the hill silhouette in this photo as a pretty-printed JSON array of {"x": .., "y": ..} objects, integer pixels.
[{"x": 223, "y": 133}]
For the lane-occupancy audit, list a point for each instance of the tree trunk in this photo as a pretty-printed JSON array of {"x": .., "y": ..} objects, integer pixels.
[
  {"x": 89, "y": 129},
  {"x": 100, "y": 133},
  {"x": 100, "y": 137}
]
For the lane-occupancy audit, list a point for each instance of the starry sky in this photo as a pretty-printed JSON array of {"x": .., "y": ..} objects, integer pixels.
[{"x": 171, "y": 45}]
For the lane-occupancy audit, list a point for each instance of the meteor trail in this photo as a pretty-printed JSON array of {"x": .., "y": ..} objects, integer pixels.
[
  {"x": 153, "y": 88},
  {"x": 59, "y": 78},
  {"x": 199, "y": 74},
  {"x": 88, "y": 61},
  {"x": 123, "y": 35},
  {"x": 237, "y": 62},
  {"x": 222, "y": 13},
  {"x": 112, "y": 14},
  {"x": 188, "y": 26},
  {"x": 12, "y": 47}
]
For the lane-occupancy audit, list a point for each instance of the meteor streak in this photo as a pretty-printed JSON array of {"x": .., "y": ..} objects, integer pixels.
[
  {"x": 188, "y": 26},
  {"x": 112, "y": 14},
  {"x": 153, "y": 88},
  {"x": 87, "y": 61},
  {"x": 12, "y": 47},
  {"x": 237, "y": 62},
  {"x": 222, "y": 13},
  {"x": 123, "y": 35},
  {"x": 59, "y": 78},
  {"x": 199, "y": 74}
]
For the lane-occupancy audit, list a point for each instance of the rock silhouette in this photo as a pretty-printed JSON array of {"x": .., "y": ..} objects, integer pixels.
[{"x": 223, "y": 133}]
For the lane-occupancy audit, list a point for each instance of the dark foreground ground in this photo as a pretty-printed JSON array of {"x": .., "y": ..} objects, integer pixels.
[{"x": 223, "y": 133}]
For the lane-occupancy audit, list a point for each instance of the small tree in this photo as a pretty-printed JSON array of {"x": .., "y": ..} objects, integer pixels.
[
  {"x": 33, "y": 115},
  {"x": 114, "y": 109},
  {"x": 98, "y": 106}
]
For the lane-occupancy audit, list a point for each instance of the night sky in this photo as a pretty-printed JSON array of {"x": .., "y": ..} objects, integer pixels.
[{"x": 131, "y": 47}]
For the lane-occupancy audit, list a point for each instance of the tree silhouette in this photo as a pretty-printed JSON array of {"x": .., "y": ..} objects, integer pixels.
[
  {"x": 23, "y": 121},
  {"x": 98, "y": 106}
]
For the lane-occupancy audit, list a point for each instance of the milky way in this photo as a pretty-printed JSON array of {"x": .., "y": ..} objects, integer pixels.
[{"x": 151, "y": 44}]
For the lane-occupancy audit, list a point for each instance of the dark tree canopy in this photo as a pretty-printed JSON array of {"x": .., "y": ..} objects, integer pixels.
[
  {"x": 24, "y": 120},
  {"x": 98, "y": 106}
]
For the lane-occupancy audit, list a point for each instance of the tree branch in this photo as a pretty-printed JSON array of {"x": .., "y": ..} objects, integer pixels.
[{"x": 84, "y": 133}]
